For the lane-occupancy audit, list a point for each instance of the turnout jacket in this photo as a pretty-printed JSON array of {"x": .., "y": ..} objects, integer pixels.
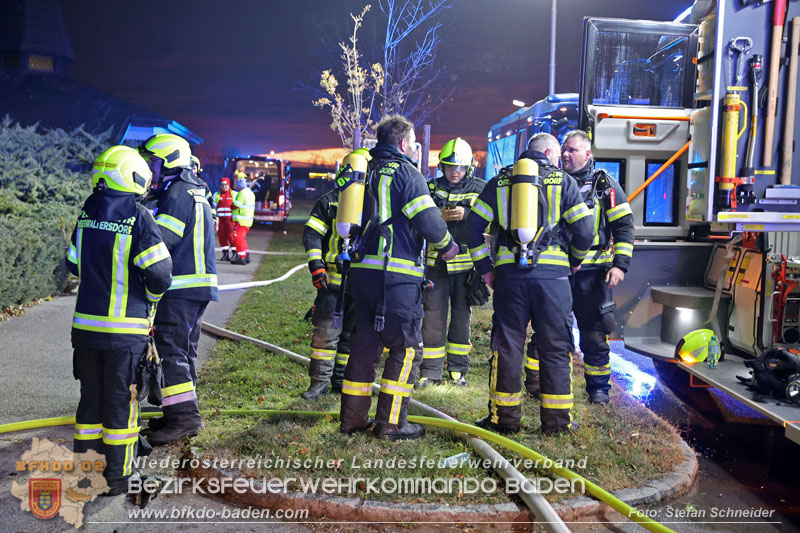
[
  {"x": 613, "y": 221},
  {"x": 183, "y": 213},
  {"x": 405, "y": 208},
  {"x": 462, "y": 194},
  {"x": 320, "y": 239},
  {"x": 117, "y": 251},
  {"x": 565, "y": 210}
]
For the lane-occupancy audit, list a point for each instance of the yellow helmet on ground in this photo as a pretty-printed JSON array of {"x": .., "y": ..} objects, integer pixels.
[
  {"x": 693, "y": 347},
  {"x": 456, "y": 152},
  {"x": 122, "y": 169},
  {"x": 173, "y": 150}
]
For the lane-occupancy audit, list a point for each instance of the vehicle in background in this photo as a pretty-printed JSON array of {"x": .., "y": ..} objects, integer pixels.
[
  {"x": 270, "y": 181},
  {"x": 557, "y": 114}
]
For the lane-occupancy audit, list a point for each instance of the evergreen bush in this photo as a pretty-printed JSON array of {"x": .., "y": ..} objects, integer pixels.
[{"x": 44, "y": 179}]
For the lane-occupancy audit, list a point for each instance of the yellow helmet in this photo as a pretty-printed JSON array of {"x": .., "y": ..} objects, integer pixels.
[
  {"x": 122, "y": 169},
  {"x": 173, "y": 150},
  {"x": 693, "y": 347},
  {"x": 456, "y": 152},
  {"x": 195, "y": 161}
]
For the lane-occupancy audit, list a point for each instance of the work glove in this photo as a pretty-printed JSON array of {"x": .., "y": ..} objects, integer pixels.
[
  {"x": 477, "y": 291},
  {"x": 318, "y": 275},
  {"x": 149, "y": 375}
]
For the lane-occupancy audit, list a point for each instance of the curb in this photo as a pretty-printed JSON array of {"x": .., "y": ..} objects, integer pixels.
[{"x": 499, "y": 517}]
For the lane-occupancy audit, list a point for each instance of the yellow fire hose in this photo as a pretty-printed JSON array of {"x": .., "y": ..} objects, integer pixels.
[{"x": 596, "y": 491}]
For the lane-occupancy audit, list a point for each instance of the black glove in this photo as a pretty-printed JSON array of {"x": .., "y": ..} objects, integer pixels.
[
  {"x": 149, "y": 375},
  {"x": 477, "y": 291},
  {"x": 319, "y": 277}
]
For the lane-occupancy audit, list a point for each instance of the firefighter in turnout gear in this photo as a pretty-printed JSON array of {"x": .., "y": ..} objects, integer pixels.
[
  {"x": 386, "y": 284},
  {"x": 184, "y": 216},
  {"x": 124, "y": 267},
  {"x": 330, "y": 345},
  {"x": 528, "y": 210},
  {"x": 223, "y": 204},
  {"x": 454, "y": 193},
  {"x": 604, "y": 266},
  {"x": 244, "y": 207}
]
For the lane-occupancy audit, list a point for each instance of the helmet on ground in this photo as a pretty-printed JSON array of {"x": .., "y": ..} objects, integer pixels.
[
  {"x": 195, "y": 162},
  {"x": 456, "y": 152},
  {"x": 122, "y": 169},
  {"x": 693, "y": 347},
  {"x": 173, "y": 150}
]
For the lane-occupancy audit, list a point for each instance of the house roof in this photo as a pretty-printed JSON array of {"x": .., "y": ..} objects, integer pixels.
[{"x": 34, "y": 26}]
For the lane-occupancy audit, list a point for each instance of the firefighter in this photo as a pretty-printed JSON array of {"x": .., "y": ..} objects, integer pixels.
[
  {"x": 386, "y": 285},
  {"x": 528, "y": 211},
  {"x": 182, "y": 212},
  {"x": 117, "y": 251},
  {"x": 330, "y": 345},
  {"x": 604, "y": 267},
  {"x": 244, "y": 206},
  {"x": 223, "y": 204},
  {"x": 454, "y": 193}
]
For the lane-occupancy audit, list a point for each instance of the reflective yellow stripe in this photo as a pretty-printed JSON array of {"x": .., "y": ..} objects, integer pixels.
[
  {"x": 317, "y": 225},
  {"x": 433, "y": 352},
  {"x": 459, "y": 349},
  {"x": 314, "y": 253},
  {"x": 171, "y": 223},
  {"x": 576, "y": 213},
  {"x": 590, "y": 370},
  {"x": 199, "y": 240},
  {"x": 532, "y": 364},
  {"x": 322, "y": 355},
  {"x": 417, "y": 205},
  {"x": 618, "y": 212},
  {"x": 479, "y": 252},
  {"x": 396, "y": 388},
  {"x": 120, "y": 255},
  {"x": 177, "y": 389},
  {"x": 151, "y": 256},
  {"x": 557, "y": 401},
  {"x": 356, "y": 388},
  {"x": 508, "y": 399},
  {"x": 483, "y": 210},
  {"x": 623, "y": 248}
]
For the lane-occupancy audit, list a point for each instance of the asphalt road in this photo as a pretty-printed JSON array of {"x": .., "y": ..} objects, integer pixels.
[{"x": 36, "y": 382}]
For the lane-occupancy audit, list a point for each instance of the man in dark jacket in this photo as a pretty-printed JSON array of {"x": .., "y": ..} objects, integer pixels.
[
  {"x": 386, "y": 285},
  {"x": 453, "y": 193},
  {"x": 605, "y": 265},
  {"x": 184, "y": 215},
  {"x": 530, "y": 282},
  {"x": 124, "y": 267}
]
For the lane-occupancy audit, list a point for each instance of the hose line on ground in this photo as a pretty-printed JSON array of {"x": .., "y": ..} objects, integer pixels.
[{"x": 596, "y": 491}]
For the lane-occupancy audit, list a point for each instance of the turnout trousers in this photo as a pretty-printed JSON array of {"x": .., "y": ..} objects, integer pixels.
[
  {"x": 546, "y": 303},
  {"x": 240, "y": 238},
  {"x": 177, "y": 332},
  {"x": 330, "y": 346},
  {"x": 589, "y": 290},
  {"x": 449, "y": 292},
  {"x": 401, "y": 335},
  {"x": 225, "y": 233},
  {"x": 107, "y": 419}
]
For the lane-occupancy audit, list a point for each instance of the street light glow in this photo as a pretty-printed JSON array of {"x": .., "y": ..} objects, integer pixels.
[{"x": 518, "y": 103}]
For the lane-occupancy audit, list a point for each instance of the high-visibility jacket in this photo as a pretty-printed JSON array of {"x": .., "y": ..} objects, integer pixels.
[
  {"x": 565, "y": 209},
  {"x": 117, "y": 251},
  {"x": 244, "y": 207},
  {"x": 223, "y": 203},
  {"x": 613, "y": 223},
  {"x": 462, "y": 194},
  {"x": 183, "y": 213},
  {"x": 320, "y": 239},
  {"x": 405, "y": 207}
]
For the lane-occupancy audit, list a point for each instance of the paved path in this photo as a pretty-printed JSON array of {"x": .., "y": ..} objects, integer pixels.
[{"x": 36, "y": 382}]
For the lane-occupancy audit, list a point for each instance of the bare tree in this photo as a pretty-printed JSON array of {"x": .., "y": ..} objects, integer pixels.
[{"x": 402, "y": 84}]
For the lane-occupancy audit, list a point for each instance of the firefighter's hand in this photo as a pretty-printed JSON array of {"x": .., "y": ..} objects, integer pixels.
[
  {"x": 576, "y": 268},
  {"x": 489, "y": 279},
  {"x": 453, "y": 214},
  {"x": 614, "y": 277},
  {"x": 320, "y": 278},
  {"x": 216, "y": 225},
  {"x": 451, "y": 252}
]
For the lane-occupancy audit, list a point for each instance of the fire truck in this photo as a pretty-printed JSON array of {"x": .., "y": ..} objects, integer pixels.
[
  {"x": 696, "y": 120},
  {"x": 270, "y": 180}
]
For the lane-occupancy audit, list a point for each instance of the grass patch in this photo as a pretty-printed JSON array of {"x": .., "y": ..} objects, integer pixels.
[{"x": 624, "y": 443}]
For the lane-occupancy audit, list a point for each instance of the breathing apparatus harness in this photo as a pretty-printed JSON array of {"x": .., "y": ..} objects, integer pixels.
[
  {"x": 776, "y": 372},
  {"x": 353, "y": 182}
]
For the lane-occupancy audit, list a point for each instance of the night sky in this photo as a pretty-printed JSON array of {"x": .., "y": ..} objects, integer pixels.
[{"x": 233, "y": 71}]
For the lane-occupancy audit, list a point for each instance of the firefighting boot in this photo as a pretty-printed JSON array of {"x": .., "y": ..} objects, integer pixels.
[
  {"x": 238, "y": 260},
  {"x": 486, "y": 423},
  {"x": 598, "y": 396},
  {"x": 353, "y": 414},
  {"x": 424, "y": 382},
  {"x": 182, "y": 420},
  {"x": 407, "y": 431},
  {"x": 319, "y": 371},
  {"x": 247, "y": 258},
  {"x": 457, "y": 379}
]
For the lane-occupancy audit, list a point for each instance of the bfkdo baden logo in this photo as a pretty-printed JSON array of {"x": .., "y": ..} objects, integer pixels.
[
  {"x": 54, "y": 481},
  {"x": 44, "y": 496}
]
